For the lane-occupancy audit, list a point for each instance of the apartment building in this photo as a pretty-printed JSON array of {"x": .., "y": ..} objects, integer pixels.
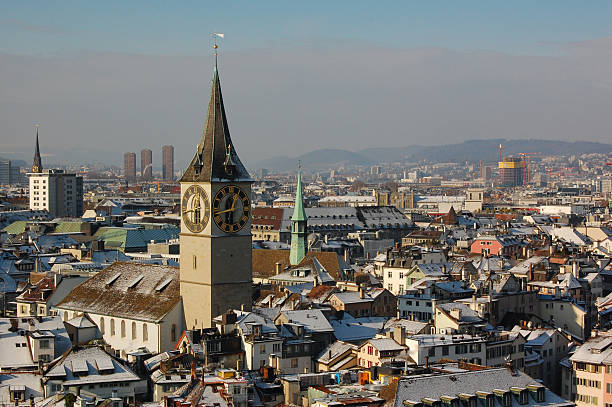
[{"x": 59, "y": 193}]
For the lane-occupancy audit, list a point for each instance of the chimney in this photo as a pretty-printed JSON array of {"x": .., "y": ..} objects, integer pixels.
[
  {"x": 551, "y": 249},
  {"x": 193, "y": 370},
  {"x": 444, "y": 269},
  {"x": 530, "y": 272},
  {"x": 575, "y": 269},
  {"x": 399, "y": 335},
  {"x": 346, "y": 255},
  {"x": 278, "y": 267},
  {"x": 361, "y": 293}
]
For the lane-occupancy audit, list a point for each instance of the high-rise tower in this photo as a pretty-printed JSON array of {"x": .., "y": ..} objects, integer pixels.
[
  {"x": 216, "y": 268},
  {"x": 299, "y": 227},
  {"x": 168, "y": 163},
  {"x": 129, "y": 166},
  {"x": 146, "y": 164}
]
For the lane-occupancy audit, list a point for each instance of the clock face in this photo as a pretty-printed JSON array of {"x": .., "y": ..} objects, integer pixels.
[
  {"x": 35, "y": 168},
  {"x": 231, "y": 208},
  {"x": 195, "y": 209}
]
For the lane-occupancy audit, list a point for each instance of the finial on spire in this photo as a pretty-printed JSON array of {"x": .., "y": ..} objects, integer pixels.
[{"x": 214, "y": 36}]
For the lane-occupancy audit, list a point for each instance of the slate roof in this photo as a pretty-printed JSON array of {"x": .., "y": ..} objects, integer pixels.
[
  {"x": 216, "y": 145},
  {"x": 117, "y": 291},
  {"x": 436, "y": 386}
]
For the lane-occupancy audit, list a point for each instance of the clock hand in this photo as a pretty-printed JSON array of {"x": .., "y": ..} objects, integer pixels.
[
  {"x": 230, "y": 209},
  {"x": 234, "y": 202}
]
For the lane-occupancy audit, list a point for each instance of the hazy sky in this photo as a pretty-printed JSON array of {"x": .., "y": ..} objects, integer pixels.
[{"x": 102, "y": 78}]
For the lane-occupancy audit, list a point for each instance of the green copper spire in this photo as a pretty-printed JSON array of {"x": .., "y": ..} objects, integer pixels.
[
  {"x": 298, "y": 226},
  {"x": 299, "y": 213}
]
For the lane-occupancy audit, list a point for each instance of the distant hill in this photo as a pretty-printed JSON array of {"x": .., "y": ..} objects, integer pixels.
[
  {"x": 323, "y": 158},
  {"x": 18, "y": 163},
  {"x": 471, "y": 150}
]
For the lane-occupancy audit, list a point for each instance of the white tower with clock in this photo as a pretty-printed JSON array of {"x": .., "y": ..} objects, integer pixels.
[{"x": 216, "y": 268}]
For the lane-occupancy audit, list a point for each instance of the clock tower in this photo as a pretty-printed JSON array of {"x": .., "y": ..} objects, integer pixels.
[{"x": 215, "y": 262}]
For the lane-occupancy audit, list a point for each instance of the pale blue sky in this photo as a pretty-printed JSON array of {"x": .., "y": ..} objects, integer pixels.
[
  {"x": 106, "y": 77},
  {"x": 182, "y": 27}
]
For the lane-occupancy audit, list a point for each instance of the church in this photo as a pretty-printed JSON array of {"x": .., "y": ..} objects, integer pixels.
[
  {"x": 215, "y": 262},
  {"x": 135, "y": 304}
]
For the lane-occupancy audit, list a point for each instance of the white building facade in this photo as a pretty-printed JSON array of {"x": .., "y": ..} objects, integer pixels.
[{"x": 59, "y": 193}]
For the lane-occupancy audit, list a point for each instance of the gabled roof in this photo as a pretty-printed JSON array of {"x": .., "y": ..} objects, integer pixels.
[
  {"x": 128, "y": 290},
  {"x": 90, "y": 365},
  {"x": 384, "y": 344},
  {"x": 313, "y": 320},
  {"x": 335, "y": 350},
  {"x": 264, "y": 262},
  {"x": 468, "y": 383}
]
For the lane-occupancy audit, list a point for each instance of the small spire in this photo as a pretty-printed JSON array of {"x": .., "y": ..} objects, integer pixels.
[
  {"x": 37, "y": 162},
  {"x": 298, "y": 212}
]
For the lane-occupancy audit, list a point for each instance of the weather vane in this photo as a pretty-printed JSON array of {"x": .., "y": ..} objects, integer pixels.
[{"x": 214, "y": 36}]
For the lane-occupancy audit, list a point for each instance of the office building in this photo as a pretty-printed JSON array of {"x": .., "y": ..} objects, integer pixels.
[
  {"x": 168, "y": 163},
  {"x": 10, "y": 174},
  {"x": 512, "y": 172},
  {"x": 129, "y": 166},
  {"x": 146, "y": 164}
]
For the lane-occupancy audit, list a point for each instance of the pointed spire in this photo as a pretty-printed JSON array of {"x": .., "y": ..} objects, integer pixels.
[
  {"x": 216, "y": 149},
  {"x": 37, "y": 162},
  {"x": 299, "y": 225},
  {"x": 298, "y": 212}
]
